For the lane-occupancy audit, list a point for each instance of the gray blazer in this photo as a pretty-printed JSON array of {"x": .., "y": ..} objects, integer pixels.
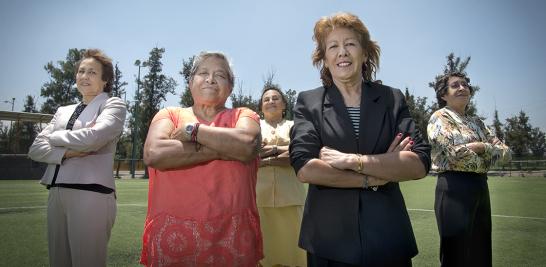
[{"x": 96, "y": 130}]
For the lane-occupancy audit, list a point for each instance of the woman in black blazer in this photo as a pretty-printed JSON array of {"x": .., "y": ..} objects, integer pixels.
[{"x": 353, "y": 140}]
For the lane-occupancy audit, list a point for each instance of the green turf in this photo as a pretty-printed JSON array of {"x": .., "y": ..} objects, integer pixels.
[
  {"x": 516, "y": 241},
  {"x": 24, "y": 234}
]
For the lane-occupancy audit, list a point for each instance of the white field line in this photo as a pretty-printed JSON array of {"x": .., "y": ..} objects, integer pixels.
[
  {"x": 43, "y": 207},
  {"x": 493, "y": 215},
  {"x": 145, "y": 205}
]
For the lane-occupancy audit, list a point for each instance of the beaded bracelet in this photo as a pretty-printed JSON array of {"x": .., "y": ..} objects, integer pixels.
[
  {"x": 365, "y": 185},
  {"x": 194, "y": 132}
]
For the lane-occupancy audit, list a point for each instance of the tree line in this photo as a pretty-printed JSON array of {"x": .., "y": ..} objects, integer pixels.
[{"x": 525, "y": 140}]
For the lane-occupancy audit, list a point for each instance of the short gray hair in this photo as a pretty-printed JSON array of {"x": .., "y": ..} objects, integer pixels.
[{"x": 198, "y": 60}]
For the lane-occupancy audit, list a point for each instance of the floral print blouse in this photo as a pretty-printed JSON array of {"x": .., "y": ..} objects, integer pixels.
[{"x": 449, "y": 133}]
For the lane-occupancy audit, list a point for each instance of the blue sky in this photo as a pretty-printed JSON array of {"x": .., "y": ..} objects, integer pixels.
[{"x": 505, "y": 39}]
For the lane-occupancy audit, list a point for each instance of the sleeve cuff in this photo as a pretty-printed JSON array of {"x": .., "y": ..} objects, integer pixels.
[
  {"x": 488, "y": 148},
  {"x": 59, "y": 154}
]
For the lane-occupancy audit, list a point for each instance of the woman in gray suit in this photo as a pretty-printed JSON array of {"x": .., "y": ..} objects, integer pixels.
[
  {"x": 353, "y": 140},
  {"x": 79, "y": 145}
]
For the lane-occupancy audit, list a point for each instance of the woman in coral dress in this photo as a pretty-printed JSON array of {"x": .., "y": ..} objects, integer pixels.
[{"x": 203, "y": 164}]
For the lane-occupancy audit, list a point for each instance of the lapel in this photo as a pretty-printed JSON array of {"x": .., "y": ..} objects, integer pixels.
[
  {"x": 372, "y": 117},
  {"x": 338, "y": 125},
  {"x": 89, "y": 115},
  {"x": 65, "y": 114}
]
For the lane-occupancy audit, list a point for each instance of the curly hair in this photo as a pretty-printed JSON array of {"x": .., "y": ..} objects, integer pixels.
[
  {"x": 325, "y": 26},
  {"x": 107, "y": 67},
  {"x": 442, "y": 84},
  {"x": 274, "y": 88}
]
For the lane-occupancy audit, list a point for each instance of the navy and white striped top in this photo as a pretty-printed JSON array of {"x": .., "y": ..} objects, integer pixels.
[{"x": 354, "y": 115}]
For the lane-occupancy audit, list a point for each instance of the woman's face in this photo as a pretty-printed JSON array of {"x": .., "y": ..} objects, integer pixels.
[
  {"x": 344, "y": 55},
  {"x": 210, "y": 84},
  {"x": 458, "y": 94},
  {"x": 89, "y": 78},
  {"x": 272, "y": 104}
]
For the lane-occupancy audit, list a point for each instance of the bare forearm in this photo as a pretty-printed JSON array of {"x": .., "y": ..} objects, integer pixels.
[
  {"x": 394, "y": 166},
  {"x": 170, "y": 154},
  {"x": 320, "y": 173},
  {"x": 230, "y": 142},
  {"x": 281, "y": 160}
]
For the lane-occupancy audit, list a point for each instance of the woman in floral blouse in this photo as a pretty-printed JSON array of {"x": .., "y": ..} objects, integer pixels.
[{"x": 463, "y": 150}]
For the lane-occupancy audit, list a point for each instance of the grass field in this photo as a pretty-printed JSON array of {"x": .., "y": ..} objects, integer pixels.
[{"x": 518, "y": 208}]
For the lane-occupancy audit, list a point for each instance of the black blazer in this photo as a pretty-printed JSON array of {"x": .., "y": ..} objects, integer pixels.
[{"x": 354, "y": 226}]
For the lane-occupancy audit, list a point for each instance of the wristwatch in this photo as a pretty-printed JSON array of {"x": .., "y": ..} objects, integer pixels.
[{"x": 191, "y": 130}]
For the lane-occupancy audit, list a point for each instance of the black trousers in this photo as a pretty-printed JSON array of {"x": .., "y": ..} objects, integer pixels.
[
  {"x": 316, "y": 261},
  {"x": 463, "y": 214}
]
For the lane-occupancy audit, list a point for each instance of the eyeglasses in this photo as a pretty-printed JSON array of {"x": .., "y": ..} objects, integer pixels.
[{"x": 457, "y": 84}]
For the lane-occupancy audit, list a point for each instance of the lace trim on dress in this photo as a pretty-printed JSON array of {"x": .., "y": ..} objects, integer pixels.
[{"x": 172, "y": 241}]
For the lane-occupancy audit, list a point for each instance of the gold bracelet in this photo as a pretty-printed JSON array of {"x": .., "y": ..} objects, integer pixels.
[{"x": 360, "y": 163}]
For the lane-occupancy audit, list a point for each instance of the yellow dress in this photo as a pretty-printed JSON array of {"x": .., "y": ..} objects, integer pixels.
[{"x": 280, "y": 197}]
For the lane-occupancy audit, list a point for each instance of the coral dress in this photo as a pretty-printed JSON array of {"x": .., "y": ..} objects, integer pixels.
[{"x": 203, "y": 215}]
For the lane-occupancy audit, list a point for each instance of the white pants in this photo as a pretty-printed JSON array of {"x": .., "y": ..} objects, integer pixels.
[{"x": 79, "y": 223}]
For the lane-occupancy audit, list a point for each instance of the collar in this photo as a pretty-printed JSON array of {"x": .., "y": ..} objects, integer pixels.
[
  {"x": 368, "y": 94},
  {"x": 454, "y": 115},
  {"x": 99, "y": 98}
]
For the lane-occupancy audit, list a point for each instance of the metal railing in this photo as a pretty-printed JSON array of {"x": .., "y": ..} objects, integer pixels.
[
  {"x": 123, "y": 166},
  {"x": 520, "y": 168}
]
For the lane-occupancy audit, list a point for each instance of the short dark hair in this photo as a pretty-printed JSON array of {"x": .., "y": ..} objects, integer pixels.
[
  {"x": 442, "y": 83},
  {"x": 274, "y": 88},
  {"x": 107, "y": 67}
]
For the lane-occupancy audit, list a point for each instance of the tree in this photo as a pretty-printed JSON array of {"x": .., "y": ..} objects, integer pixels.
[
  {"x": 186, "y": 99},
  {"x": 291, "y": 97},
  {"x": 239, "y": 99},
  {"x": 60, "y": 89},
  {"x": 18, "y": 137},
  {"x": 290, "y": 94},
  {"x": 455, "y": 64},
  {"x": 419, "y": 111},
  {"x": 123, "y": 150},
  {"x": 518, "y": 134},
  {"x": 118, "y": 89},
  {"x": 269, "y": 80},
  {"x": 117, "y": 85},
  {"x": 497, "y": 126},
  {"x": 155, "y": 87},
  {"x": 537, "y": 143},
  {"x": 29, "y": 130},
  {"x": 4, "y": 138}
]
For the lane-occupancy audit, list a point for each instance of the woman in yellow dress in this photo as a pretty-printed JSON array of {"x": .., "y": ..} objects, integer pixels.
[{"x": 279, "y": 194}]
